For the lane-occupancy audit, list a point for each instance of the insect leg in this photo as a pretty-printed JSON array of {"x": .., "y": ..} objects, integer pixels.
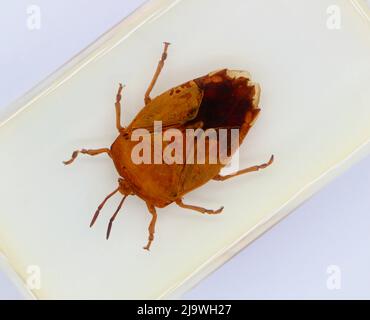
[
  {"x": 196, "y": 208},
  {"x": 101, "y": 206},
  {"x": 118, "y": 108},
  {"x": 157, "y": 72},
  {"x": 91, "y": 152},
  {"x": 246, "y": 170},
  {"x": 114, "y": 216},
  {"x": 151, "y": 227}
]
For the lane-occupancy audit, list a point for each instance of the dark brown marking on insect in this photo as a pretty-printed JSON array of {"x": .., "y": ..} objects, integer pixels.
[
  {"x": 171, "y": 91},
  {"x": 178, "y": 91},
  {"x": 226, "y": 101},
  {"x": 191, "y": 112},
  {"x": 186, "y": 96}
]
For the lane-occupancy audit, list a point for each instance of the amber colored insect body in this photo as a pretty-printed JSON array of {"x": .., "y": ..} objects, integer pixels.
[{"x": 220, "y": 99}]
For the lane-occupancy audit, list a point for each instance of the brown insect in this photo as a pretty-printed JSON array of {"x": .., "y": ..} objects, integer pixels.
[{"x": 220, "y": 99}]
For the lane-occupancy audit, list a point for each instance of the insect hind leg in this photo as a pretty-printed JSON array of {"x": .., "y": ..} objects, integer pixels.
[
  {"x": 91, "y": 152},
  {"x": 157, "y": 72},
  {"x": 196, "y": 208},
  {"x": 118, "y": 108},
  {"x": 246, "y": 170}
]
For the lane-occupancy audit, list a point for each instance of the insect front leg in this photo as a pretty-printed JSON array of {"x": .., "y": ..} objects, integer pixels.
[
  {"x": 246, "y": 170},
  {"x": 157, "y": 72},
  {"x": 151, "y": 227},
  {"x": 91, "y": 152},
  {"x": 196, "y": 208}
]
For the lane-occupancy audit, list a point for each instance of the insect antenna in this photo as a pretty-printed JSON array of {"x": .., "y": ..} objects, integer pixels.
[
  {"x": 114, "y": 216},
  {"x": 101, "y": 206}
]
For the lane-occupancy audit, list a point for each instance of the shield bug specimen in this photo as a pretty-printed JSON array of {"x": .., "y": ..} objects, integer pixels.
[{"x": 224, "y": 99}]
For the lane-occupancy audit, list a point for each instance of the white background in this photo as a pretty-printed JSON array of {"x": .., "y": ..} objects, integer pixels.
[{"x": 292, "y": 259}]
